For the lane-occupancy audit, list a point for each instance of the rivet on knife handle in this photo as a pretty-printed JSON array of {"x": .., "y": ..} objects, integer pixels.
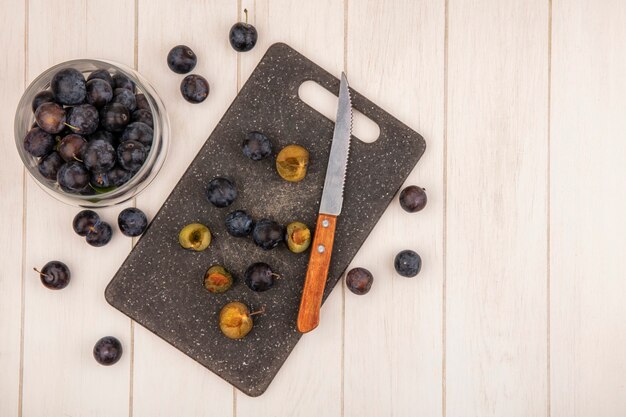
[{"x": 317, "y": 272}]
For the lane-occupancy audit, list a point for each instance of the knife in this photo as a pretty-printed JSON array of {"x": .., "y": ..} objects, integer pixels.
[{"x": 330, "y": 208}]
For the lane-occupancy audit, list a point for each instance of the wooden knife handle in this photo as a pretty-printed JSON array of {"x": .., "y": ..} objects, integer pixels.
[{"x": 317, "y": 272}]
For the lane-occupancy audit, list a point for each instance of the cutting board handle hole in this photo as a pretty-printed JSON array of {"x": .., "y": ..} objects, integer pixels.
[{"x": 325, "y": 102}]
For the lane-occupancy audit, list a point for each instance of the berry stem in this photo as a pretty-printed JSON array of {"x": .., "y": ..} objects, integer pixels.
[
  {"x": 41, "y": 273},
  {"x": 75, "y": 157},
  {"x": 245, "y": 11},
  {"x": 72, "y": 127},
  {"x": 261, "y": 311},
  {"x": 275, "y": 275}
]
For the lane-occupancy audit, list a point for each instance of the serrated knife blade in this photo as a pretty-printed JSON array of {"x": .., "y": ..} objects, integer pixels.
[
  {"x": 332, "y": 195},
  {"x": 330, "y": 208}
]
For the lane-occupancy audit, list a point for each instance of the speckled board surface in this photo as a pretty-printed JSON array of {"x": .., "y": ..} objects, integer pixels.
[{"x": 160, "y": 285}]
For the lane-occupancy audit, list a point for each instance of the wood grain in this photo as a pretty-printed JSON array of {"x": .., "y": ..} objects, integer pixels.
[
  {"x": 588, "y": 267},
  {"x": 315, "y": 29},
  {"x": 393, "y": 334},
  {"x": 190, "y": 389},
  {"x": 13, "y": 23},
  {"x": 317, "y": 272},
  {"x": 496, "y": 324},
  {"x": 61, "y": 328}
]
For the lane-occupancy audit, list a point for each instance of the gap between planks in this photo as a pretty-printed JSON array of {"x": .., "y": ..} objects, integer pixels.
[
  {"x": 549, "y": 215},
  {"x": 20, "y": 391},
  {"x": 131, "y": 366},
  {"x": 445, "y": 210}
]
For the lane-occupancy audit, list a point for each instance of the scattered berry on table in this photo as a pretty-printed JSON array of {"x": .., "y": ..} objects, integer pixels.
[
  {"x": 243, "y": 36},
  {"x": 84, "y": 222},
  {"x": 413, "y": 199},
  {"x": 239, "y": 223},
  {"x": 221, "y": 192},
  {"x": 54, "y": 275},
  {"x": 194, "y": 88},
  {"x": 132, "y": 222},
  {"x": 359, "y": 281},
  {"x": 181, "y": 59},
  {"x": 107, "y": 350},
  {"x": 256, "y": 146},
  {"x": 259, "y": 277},
  {"x": 408, "y": 263},
  {"x": 267, "y": 234},
  {"x": 99, "y": 235}
]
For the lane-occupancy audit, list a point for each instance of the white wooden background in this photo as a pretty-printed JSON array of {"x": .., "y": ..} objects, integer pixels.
[{"x": 520, "y": 307}]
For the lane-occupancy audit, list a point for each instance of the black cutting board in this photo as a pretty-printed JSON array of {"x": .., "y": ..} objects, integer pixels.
[{"x": 160, "y": 285}]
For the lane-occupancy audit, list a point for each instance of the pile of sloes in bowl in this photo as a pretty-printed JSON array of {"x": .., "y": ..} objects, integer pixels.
[{"x": 93, "y": 135}]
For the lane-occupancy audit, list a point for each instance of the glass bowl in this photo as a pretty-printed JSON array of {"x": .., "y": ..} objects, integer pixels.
[{"x": 24, "y": 119}]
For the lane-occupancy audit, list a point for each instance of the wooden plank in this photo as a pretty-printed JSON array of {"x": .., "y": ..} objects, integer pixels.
[
  {"x": 588, "y": 329},
  {"x": 393, "y": 335},
  {"x": 61, "y": 327},
  {"x": 203, "y": 25},
  {"x": 11, "y": 206},
  {"x": 313, "y": 370},
  {"x": 496, "y": 345}
]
